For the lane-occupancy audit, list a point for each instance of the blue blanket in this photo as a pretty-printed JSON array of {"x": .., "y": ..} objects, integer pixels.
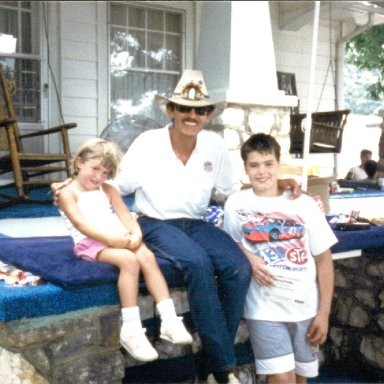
[
  {"x": 364, "y": 239},
  {"x": 73, "y": 284},
  {"x": 36, "y": 209},
  {"x": 49, "y": 299},
  {"x": 53, "y": 259},
  {"x": 77, "y": 284}
]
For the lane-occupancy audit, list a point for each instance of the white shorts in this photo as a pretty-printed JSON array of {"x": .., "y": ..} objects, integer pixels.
[{"x": 282, "y": 347}]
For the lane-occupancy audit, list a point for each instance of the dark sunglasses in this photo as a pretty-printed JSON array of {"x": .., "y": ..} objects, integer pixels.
[{"x": 201, "y": 111}]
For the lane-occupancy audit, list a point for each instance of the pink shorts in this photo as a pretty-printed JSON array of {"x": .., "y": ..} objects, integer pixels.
[{"x": 88, "y": 249}]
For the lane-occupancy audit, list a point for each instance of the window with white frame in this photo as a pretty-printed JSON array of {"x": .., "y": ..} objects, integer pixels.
[
  {"x": 19, "y": 56},
  {"x": 146, "y": 49}
]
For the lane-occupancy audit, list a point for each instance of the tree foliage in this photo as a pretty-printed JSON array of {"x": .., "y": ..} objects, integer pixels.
[
  {"x": 366, "y": 52},
  {"x": 356, "y": 82}
]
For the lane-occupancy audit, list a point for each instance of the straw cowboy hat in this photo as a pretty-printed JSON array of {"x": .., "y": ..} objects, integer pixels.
[{"x": 192, "y": 92}]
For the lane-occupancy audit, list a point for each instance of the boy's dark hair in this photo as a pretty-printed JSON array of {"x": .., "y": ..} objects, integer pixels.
[
  {"x": 370, "y": 168},
  {"x": 262, "y": 143}
]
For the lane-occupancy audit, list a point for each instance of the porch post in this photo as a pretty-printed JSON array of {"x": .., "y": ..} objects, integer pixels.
[
  {"x": 252, "y": 61},
  {"x": 236, "y": 53}
]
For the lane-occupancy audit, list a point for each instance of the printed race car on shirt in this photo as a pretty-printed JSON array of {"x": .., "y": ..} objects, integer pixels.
[{"x": 273, "y": 229}]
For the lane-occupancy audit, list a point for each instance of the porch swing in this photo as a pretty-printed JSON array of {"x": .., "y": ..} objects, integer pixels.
[{"x": 326, "y": 133}]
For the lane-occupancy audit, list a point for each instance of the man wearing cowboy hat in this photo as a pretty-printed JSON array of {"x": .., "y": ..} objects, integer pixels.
[{"x": 172, "y": 171}]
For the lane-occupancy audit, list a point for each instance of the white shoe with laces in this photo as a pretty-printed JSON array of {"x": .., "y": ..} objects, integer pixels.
[
  {"x": 175, "y": 332},
  {"x": 138, "y": 346},
  {"x": 211, "y": 379},
  {"x": 232, "y": 379}
]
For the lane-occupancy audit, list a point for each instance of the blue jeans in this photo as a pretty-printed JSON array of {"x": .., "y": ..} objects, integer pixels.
[{"x": 217, "y": 276}]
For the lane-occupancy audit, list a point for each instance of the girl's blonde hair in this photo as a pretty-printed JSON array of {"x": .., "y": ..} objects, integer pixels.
[{"x": 98, "y": 149}]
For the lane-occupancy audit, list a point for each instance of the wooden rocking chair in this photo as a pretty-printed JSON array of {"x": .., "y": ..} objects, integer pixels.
[{"x": 27, "y": 168}]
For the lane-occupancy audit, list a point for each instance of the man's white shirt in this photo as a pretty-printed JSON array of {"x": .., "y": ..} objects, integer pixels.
[{"x": 165, "y": 187}]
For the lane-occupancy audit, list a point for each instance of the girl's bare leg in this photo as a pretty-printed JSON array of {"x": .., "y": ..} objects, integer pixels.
[
  {"x": 132, "y": 335},
  {"x": 129, "y": 267},
  {"x": 153, "y": 277}
]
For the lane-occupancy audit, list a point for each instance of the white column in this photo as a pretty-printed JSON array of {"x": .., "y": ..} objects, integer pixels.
[
  {"x": 252, "y": 61},
  {"x": 236, "y": 53}
]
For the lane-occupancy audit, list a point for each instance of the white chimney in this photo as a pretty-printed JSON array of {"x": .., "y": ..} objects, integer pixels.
[{"x": 235, "y": 51}]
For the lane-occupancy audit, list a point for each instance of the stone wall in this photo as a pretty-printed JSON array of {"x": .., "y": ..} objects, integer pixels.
[
  {"x": 239, "y": 121},
  {"x": 82, "y": 347},
  {"x": 76, "y": 347},
  {"x": 356, "y": 336}
]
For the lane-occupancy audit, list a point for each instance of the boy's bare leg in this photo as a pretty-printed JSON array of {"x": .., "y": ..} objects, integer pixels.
[
  {"x": 282, "y": 378},
  {"x": 301, "y": 379}
]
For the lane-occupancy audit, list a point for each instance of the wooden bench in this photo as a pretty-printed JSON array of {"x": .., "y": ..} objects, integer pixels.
[{"x": 326, "y": 133}]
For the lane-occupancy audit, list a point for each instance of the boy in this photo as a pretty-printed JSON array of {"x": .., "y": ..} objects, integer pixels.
[
  {"x": 358, "y": 172},
  {"x": 289, "y": 299}
]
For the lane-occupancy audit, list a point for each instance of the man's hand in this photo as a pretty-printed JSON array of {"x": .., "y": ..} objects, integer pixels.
[
  {"x": 290, "y": 185},
  {"x": 57, "y": 187}
]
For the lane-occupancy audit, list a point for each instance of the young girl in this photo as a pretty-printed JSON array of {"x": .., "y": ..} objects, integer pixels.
[{"x": 104, "y": 230}]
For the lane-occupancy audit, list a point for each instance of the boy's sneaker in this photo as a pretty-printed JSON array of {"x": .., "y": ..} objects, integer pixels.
[
  {"x": 231, "y": 379},
  {"x": 138, "y": 346},
  {"x": 175, "y": 331}
]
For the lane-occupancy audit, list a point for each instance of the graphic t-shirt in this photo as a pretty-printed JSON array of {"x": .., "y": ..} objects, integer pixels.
[{"x": 286, "y": 234}]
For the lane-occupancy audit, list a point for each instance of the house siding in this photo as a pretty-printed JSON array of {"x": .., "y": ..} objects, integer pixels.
[
  {"x": 81, "y": 59},
  {"x": 79, "y": 66},
  {"x": 293, "y": 55}
]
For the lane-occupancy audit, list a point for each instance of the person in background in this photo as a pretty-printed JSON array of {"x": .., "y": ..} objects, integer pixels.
[
  {"x": 371, "y": 168},
  {"x": 358, "y": 172},
  {"x": 174, "y": 172},
  {"x": 104, "y": 231},
  {"x": 287, "y": 309}
]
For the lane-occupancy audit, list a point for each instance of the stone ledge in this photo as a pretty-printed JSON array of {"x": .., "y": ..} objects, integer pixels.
[{"x": 82, "y": 346}]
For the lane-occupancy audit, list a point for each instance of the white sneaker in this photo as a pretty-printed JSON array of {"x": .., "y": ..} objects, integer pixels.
[
  {"x": 232, "y": 379},
  {"x": 138, "y": 346},
  {"x": 175, "y": 332}
]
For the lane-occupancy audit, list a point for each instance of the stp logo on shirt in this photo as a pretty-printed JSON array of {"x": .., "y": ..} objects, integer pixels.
[{"x": 297, "y": 256}]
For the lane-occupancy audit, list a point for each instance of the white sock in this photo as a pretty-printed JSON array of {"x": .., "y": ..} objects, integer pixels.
[
  {"x": 131, "y": 320},
  {"x": 166, "y": 309}
]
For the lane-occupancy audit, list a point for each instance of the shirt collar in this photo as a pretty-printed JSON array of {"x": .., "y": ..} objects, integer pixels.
[{"x": 169, "y": 144}]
